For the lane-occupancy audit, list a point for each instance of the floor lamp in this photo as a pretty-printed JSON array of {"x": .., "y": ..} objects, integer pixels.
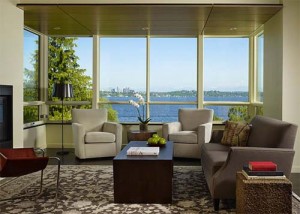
[{"x": 62, "y": 90}]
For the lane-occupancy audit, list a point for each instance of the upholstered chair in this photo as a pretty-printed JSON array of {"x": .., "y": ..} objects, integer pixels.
[
  {"x": 269, "y": 140},
  {"x": 93, "y": 135},
  {"x": 194, "y": 128}
]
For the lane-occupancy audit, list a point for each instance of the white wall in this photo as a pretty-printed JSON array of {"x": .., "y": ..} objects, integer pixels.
[
  {"x": 282, "y": 69},
  {"x": 291, "y": 70},
  {"x": 11, "y": 61},
  {"x": 273, "y": 67},
  {"x": 35, "y": 137}
]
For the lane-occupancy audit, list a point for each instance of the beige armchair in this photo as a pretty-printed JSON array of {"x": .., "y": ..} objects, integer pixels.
[
  {"x": 93, "y": 136},
  {"x": 194, "y": 128}
]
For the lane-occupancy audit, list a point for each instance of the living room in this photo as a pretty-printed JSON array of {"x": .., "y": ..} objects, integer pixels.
[{"x": 280, "y": 76}]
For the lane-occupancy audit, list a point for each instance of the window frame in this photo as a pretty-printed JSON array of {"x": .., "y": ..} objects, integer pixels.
[{"x": 39, "y": 103}]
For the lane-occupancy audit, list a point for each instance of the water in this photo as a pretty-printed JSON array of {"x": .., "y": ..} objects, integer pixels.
[{"x": 167, "y": 112}]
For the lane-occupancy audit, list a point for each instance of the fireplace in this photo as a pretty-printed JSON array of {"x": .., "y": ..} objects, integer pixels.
[{"x": 6, "y": 124}]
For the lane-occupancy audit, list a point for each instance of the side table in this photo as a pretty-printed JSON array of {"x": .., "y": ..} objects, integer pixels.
[
  {"x": 263, "y": 195},
  {"x": 139, "y": 135}
]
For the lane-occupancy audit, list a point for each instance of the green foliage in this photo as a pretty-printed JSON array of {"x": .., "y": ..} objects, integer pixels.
[
  {"x": 112, "y": 114},
  {"x": 30, "y": 114},
  {"x": 238, "y": 113}
]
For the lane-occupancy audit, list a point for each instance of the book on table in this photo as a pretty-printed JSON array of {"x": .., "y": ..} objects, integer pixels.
[
  {"x": 143, "y": 151},
  {"x": 252, "y": 174},
  {"x": 262, "y": 166}
]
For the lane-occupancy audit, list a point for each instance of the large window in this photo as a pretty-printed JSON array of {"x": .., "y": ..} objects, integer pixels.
[
  {"x": 70, "y": 61},
  {"x": 226, "y": 75},
  {"x": 31, "y": 76},
  {"x": 122, "y": 74},
  {"x": 173, "y": 77}
]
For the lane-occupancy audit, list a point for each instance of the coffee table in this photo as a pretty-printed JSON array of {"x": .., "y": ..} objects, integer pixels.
[{"x": 143, "y": 179}]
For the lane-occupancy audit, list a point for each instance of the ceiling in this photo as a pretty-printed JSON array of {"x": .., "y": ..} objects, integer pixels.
[{"x": 157, "y": 20}]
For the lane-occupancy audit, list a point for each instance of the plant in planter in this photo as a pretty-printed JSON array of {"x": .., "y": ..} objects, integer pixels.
[{"x": 141, "y": 117}]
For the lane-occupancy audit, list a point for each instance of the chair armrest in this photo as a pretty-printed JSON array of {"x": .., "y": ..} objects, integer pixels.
[
  {"x": 78, "y": 139},
  {"x": 204, "y": 133},
  {"x": 114, "y": 128},
  {"x": 169, "y": 128},
  {"x": 225, "y": 177}
]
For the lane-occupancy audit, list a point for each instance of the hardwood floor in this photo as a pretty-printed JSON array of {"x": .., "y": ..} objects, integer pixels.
[{"x": 70, "y": 159}]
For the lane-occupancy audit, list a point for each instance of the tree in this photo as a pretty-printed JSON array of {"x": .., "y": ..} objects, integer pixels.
[
  {"x": 238, "y": 113},
  {"x": 63, "y": 68}
]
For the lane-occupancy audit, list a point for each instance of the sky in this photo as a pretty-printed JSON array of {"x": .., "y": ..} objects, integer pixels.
[{"x": 173, "y": 62}]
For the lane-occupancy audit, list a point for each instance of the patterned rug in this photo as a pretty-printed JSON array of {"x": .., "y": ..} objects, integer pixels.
[{"x": 89, "y": 189}]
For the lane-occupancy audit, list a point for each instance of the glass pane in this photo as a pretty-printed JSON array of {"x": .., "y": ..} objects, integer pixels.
[
  {"x": 30, "y": 114},
  {"x": 70, "y": 61},
  {"x": 31, "y": 66},
  {"x": 166, "y": 112},
  {"x": 260, "y": 69},
  {"x": 176, "y": 59},
  {"x": 233, "y": 113},
  {"x": 226, "y": 69},
  {"x": 122, "y": 67}
]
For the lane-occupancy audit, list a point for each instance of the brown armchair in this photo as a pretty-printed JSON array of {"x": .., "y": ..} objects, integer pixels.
[
  {"x": 269, "y": 140},
  {"x": 23, "y": 161}
]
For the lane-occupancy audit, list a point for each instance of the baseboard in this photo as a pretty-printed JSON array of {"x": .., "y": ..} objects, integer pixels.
[
  {"x": 58, "y": 145},
  {"x": 296, "y": 169}
]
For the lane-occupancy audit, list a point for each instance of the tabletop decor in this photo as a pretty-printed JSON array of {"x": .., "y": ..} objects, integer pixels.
[{"x": 141, "y": 115}]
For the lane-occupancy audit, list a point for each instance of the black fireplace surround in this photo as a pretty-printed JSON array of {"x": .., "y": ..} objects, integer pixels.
[{"x": 6, "y": 123}]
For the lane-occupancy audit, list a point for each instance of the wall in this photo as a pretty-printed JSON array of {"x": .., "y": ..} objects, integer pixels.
[
  {"x": 291, "y": 70},
  {"x": 282, "y": 68},
  {"x": 273, "y": 67},
  {"x": 11, "y": 61},
  {"x": 35, "y": 137}
]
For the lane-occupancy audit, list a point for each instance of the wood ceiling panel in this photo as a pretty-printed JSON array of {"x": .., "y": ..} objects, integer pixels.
[{"x": 160, "y": 19}]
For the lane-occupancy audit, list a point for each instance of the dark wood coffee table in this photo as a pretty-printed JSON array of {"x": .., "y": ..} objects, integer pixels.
[{"x": 143, "y": 179}]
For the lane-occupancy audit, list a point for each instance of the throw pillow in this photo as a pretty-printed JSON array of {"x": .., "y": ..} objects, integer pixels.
[{"x": 235, "y": 134}]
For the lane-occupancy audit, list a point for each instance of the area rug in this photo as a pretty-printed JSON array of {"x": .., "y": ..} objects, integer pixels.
[{"x": 89, "y": 189}]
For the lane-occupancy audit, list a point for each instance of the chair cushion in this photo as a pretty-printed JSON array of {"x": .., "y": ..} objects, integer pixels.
[
  {"x": 235, "y": 134},
  {"x": 99, "y": 137},
  {"x": 183, "y": 137},
  {"x": 271, "y": 133},
  {"x": 190, "y": 119}
]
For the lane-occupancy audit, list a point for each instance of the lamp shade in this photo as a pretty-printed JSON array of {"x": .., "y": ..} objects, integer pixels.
[{"x": 62, "y": 90}]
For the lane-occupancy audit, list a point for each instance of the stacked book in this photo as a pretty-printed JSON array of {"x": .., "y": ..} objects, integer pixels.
[
  {"x": 143, "y": 151},
  {"x": 262, "y": 170}
]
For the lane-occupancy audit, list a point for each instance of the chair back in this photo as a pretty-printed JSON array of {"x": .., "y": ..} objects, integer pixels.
[
  {"x": 190, "y": 119},
  {"x": 271, "y": 133},
  {"x": 91, "y": 119}
]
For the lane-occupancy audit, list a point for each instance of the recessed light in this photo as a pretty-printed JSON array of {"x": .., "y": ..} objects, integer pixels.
[
  {"x": 56, "y": 28},
  {"x": 233, "y": 28}
]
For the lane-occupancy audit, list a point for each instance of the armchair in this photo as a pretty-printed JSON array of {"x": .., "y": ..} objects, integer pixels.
[
  {"x": 193, "y": 129},
  {"x": 269, "y": 140},
  {"x": 23, "y": 161},
  {"x": 93, "y": 135}
]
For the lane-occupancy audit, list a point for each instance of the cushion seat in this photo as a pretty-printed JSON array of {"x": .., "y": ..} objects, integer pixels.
[
  {"x": 189, "y": 137},
  {"x": 99, "y": 137}
]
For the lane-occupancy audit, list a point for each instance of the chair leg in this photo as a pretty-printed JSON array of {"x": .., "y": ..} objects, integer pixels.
[
  {"x": 216, "y": 204},
  {"x": 57, "y": 179}
]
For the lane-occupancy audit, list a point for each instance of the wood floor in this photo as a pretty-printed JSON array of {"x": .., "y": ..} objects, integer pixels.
[{"x": 70, "y": 159}]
